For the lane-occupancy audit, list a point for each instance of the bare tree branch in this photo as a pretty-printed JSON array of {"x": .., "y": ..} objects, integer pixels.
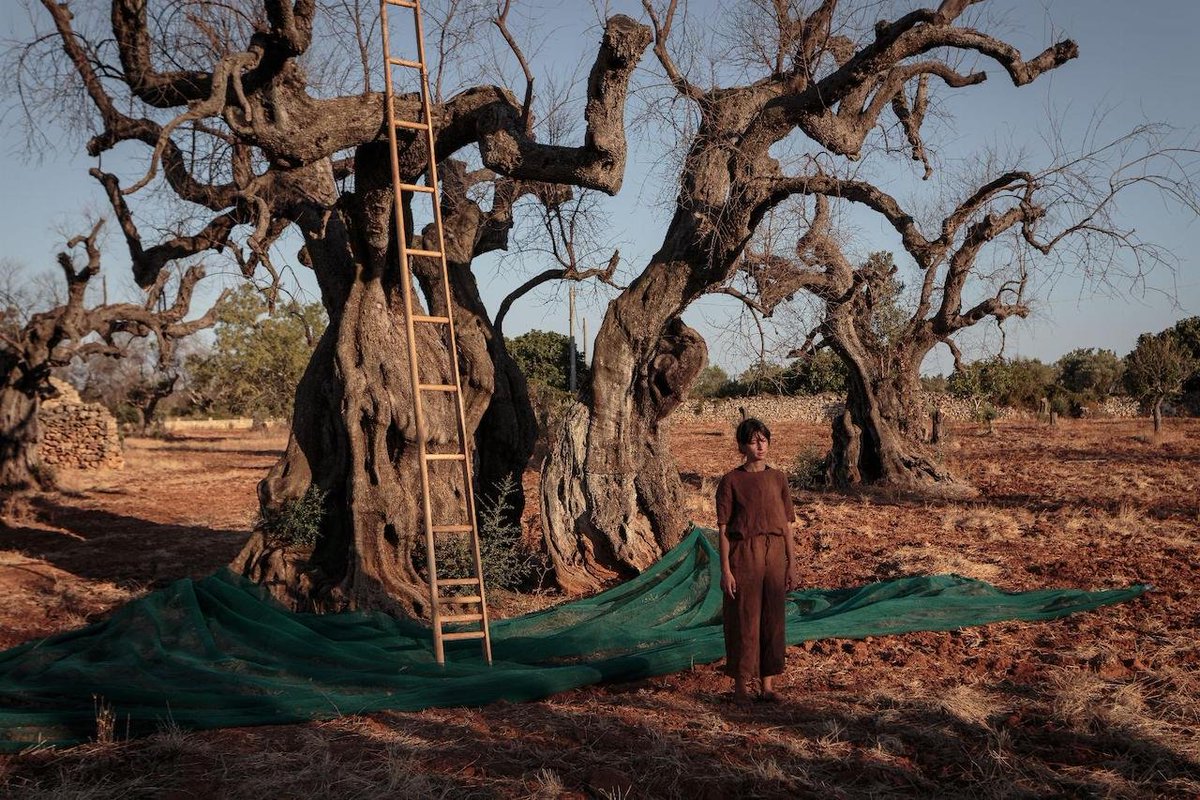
[
  {"x": 662, "y": 30},
  {"x": 604, "y": 274},
  {"x": 501, "y": 22}
]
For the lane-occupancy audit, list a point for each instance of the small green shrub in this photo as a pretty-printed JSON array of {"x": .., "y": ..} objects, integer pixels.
[
  {"x": 127, "y": 414},
  {"x": 987, "y": 413},
  {"x": 808, "y": 469},
  {"x": 507, "y": 562},
  {"x": 296, "y": 523}
]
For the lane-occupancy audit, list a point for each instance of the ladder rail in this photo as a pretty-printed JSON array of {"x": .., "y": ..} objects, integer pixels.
[
  {"x": 410, "y": 318},
  {"x": 464, "y": 436},
  {"x": 406, "y": 289}
]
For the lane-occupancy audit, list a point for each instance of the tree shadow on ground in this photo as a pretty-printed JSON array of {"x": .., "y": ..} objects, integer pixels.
[
  {"x": 266, "y": 452},
  {"x": 634, "y": 740},
  {"x": 103, "y": 546},
  {"x": 672, "y": 746}
]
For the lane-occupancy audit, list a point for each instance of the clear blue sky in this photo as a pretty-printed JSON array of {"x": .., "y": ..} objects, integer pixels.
[{"x": 1136, "y": 63}]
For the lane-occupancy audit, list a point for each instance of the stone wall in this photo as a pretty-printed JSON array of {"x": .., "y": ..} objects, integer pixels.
[
  {"x": 234, "y": 424},
  {"x": 77, "y": 434},
  {"x": 823, "y": 407},
  {"x": 1117, "y": 408}
]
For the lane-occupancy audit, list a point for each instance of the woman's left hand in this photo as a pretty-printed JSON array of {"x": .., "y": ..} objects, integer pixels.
[{"x": 793, "y": 577}]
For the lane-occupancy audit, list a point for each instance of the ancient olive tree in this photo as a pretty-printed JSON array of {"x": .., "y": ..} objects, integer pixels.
[
  {"x": 975, "y": 267},
  {"x": 612, "y": 499},
  {"x": 238, "y": 112},
  {"x": 31, "y": 348}
]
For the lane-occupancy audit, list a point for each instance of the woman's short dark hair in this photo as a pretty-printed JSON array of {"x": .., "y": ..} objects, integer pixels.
[{"x": 750, "y": 426}]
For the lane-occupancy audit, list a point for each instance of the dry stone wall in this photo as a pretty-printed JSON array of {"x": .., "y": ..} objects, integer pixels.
[
  {"x": 77, "y": 434},
  {"x": 823, "y": 407}
]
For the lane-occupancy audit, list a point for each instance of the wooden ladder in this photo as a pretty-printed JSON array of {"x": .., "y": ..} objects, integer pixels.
[{"x": 475, "y": 597}]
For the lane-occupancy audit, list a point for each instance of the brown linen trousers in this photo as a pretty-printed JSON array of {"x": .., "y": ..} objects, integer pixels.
[{"x": 755, "y": 640}]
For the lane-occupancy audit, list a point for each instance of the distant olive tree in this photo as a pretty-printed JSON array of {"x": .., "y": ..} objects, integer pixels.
[
  {"x": 1088, "y": 375},
  {"x": 1156, "y": 370},
  {"x": 822, "y": 372},
  {"x": 545, "y": 358},
  {"x": 982, "y": 382},
  {"x": 258, "y": 357},
  {"x": 1014, "y": 383},
  {"x": 711, "y": 382},
  {"x": 1187, "y": 335},
  {"x": 34, "y": 344}
]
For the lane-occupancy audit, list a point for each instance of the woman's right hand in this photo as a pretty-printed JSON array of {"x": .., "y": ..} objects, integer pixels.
[{"x": 728, "y": 584}]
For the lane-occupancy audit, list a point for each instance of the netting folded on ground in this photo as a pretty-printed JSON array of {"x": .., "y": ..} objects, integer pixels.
[{"x": 217, "y": 652}]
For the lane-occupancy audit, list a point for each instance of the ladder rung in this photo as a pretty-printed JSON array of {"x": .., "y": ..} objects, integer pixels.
[
  {"x": 434, "y": 320},
  {"x": 463, "y": 635},
  {"x": 401, "y": 3},
  {"x": 463, "y": 598},
  {"x": 445, "y": 457},
  {"x": 415, "y": 126},
  {"x": 452, "y": 529},
  {"x": 430, "y": 253},
  {"x": 437, "y": 387},
  {"x": 414, "y": 187},
  {"x": 462, "y": 618},
  {"x": 404, "y": 62},
  {"x": 458, "y": 582}
]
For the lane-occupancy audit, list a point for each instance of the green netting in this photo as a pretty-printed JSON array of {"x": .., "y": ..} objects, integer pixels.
[{"x": 218, "y": 652}]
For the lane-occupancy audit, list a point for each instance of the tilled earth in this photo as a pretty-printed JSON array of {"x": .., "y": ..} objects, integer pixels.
[{"x": 1105, "y": 703}]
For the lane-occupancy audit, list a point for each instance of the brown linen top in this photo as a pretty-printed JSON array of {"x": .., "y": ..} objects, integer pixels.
[{"x": 754, "y": 503}]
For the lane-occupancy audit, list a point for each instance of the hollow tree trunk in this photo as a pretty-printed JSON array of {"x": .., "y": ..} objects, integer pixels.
[
  {"x": 353, "y": 430},
  {"x": 18, "y": 440},
  {"x": 612, "y": 501}
]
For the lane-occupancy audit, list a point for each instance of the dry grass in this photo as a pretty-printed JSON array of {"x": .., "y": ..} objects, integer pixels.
[{"x": 934, "y": 560}]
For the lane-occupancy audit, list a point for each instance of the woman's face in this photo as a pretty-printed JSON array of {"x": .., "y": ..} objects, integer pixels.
[{"x": 756, "y": 448}]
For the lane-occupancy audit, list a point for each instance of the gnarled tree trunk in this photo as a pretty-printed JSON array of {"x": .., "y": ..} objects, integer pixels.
[
  {"x": 506, "y": 433},
  {"x": 354, "y": 432},
  {"x": 878, "y": 439},
  {"x": 612, "y": 501}
]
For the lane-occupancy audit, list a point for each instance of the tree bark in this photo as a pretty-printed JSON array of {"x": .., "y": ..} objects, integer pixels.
[
  {"x": 612, "y": 501},
  {"x": 884, "y": 451},
  {"x": 19, "y": 434},
  {"x": 878, "y": 440},
  {"x": 507, "y": 431},
  {"x": 842, "y": 468},
  {"x": 354, "y": 433},
  {"x": 1157, "y": 414}
]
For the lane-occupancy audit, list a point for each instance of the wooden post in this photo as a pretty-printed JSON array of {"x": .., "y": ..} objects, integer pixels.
[{"x": 571, "y": 337}]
